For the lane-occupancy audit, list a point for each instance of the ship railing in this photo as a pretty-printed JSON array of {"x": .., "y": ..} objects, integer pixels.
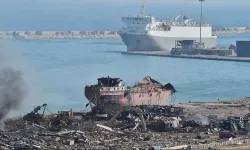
[
  {"x": 172, "y": 23},
  {"x": 190, "y": 25},
  {"x": 112, "y": 88}
]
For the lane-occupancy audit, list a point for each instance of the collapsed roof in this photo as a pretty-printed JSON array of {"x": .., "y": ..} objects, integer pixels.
[{"x": 146, "y": 81}]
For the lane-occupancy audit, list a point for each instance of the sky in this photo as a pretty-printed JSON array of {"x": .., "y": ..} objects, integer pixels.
[
  {"x": 30, "y": 2},
  {"x": 57, "y": 4},
  {"x": 60, "y": 4}
]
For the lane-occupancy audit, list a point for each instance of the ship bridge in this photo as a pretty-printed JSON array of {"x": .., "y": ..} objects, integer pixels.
[
  {"x": 137, "y": 24},
  {"x": 148, "y": 19}
]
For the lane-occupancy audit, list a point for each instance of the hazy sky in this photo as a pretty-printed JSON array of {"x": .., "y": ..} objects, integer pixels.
[
  {"x": 78, "y": 14},
  {"x": 71, "y": 3},
  {"x": 116, "y": 1}
]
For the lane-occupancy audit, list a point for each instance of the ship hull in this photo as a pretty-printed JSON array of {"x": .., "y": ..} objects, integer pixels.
[{"x": 144, "y": 42}]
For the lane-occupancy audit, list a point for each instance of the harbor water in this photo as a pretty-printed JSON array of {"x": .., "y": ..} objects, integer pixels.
[{"x": 58, "y": 70}]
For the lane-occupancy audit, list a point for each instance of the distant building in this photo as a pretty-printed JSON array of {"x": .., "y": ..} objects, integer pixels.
[
  {"x": 243, "y": 48},
  {"x": 27, "y": 33},
  {"x": 83, "y": 33},
  {"x": 8, "y": 33},
  {"x": 15, "y": 34},
  {"x": 113, "y": 32},
  {"x": 104, "y": 32},
  {"x": 62, "y": 33},
  {"x": 95, "y": 33},
  {"x": 38, "y": 33}
]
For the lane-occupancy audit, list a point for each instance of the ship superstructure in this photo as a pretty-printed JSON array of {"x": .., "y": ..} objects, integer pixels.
[
  {"x": 107, "y": 90},
  {"x": 145, "y": 33}
]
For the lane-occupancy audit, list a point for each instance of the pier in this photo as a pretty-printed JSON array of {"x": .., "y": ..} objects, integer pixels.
[
  {"x": 205, "y": 57},
  {"x": 94, "y": 34}
]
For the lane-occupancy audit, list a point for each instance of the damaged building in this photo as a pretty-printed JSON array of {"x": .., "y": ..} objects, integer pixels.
[{"x": 150, "y": 92}]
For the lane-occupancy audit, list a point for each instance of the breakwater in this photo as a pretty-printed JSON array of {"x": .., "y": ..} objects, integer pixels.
[
  {"x": 58, "y": 34},
  {"x": 231, "y": 30},
  {"x": 206, "y": 57},
  {"x": 94, "y": 34}
]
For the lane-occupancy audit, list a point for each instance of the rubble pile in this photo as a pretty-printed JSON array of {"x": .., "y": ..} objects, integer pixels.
[
  {"x": 97, "y": 137},
  {"x": 167, "y": 127}
]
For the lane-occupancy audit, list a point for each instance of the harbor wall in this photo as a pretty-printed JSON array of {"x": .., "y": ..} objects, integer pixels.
[
  {"x": 205, "y": 57},
  {"x": 94, "y": 34}
]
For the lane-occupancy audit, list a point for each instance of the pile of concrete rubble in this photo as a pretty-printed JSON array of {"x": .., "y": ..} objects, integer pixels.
[{"x": 167, "y": 128}]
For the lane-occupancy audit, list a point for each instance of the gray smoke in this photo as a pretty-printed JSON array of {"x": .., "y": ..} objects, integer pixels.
[{"x": 13, "y": 91}]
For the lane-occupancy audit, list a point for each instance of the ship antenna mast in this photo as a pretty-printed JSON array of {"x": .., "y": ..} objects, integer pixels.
[
  {"x": 182, "y": 14},
  {"x": 143, "y": 8}
]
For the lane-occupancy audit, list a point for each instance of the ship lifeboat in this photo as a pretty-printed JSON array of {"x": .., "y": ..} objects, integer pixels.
[{"x": 165, "y": 25}]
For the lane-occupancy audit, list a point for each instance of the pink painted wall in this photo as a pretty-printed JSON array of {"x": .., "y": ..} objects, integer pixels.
[{"x": 140, "y": 96}]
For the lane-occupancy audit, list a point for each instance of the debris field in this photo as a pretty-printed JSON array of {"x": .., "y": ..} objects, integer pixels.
[{"x": 182, "y": 126}]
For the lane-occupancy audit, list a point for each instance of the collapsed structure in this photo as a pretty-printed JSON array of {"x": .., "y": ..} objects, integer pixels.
[
  {"x": 150, "y": 92},
  {"x": 113, "y": 91},
  {"x": 147, "y": 97}
]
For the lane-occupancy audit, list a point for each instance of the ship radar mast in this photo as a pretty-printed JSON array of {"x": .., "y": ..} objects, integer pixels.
[
  {"x": 182, "y": 14},
  {"x": 143, "y": 8}
]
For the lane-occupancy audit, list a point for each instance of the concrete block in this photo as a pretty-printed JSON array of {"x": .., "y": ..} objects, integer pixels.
[
  {"x": 69, "y": 142},
  {"x": 57, "y": 139}
]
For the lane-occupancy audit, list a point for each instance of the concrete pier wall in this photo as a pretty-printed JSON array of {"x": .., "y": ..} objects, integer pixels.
[{"x": 205, "y": 57}]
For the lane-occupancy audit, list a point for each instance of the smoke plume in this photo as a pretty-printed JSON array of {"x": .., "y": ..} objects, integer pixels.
[{"x": 13, "y": 91}]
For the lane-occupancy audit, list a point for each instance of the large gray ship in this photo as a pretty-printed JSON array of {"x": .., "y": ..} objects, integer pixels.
[{"x": 145, "y": 33}]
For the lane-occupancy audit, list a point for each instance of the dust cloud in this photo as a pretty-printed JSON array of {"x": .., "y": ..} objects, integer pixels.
[
  {"x": 13, "y": 91},
  {"x": 18, "y": 93}
]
